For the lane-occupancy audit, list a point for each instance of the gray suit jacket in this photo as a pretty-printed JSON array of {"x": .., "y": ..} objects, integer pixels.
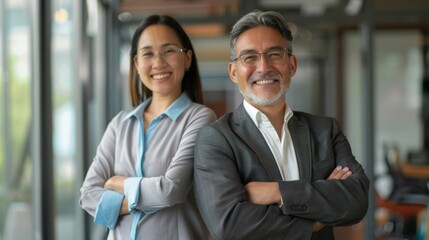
[{"x": 231, "y": 152}]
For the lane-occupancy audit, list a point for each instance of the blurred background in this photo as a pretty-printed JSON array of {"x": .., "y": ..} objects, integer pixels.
[{"x": 64, "y": 68}]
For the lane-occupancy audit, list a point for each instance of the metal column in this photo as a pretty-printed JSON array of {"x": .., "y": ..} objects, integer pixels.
[
  {"x": 44, "y": 197},
  {"x": 368, "y": 112}
]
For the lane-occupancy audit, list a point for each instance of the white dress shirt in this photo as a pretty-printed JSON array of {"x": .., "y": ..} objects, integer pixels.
[{"x": 282, "y": 148}]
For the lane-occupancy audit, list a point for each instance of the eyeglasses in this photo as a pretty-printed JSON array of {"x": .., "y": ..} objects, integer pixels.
[
  {"x": 147, "y": 56},
  {"x": 252, "y": 59}
]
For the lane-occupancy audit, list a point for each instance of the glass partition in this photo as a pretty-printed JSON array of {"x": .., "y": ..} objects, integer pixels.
[
  {"x": 398, "y": 72},
  {"x": 15, "y": 121},
  {"x": 64, "y": 85}
]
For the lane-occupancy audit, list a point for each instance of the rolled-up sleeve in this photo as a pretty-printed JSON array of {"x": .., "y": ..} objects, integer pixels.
[
  {"x": 132, "y": 192},
  {"x": 108, "y": 209}
]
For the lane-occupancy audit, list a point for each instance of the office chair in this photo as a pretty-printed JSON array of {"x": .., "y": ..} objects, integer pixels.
[
  {"x": 408, "y": 197},
  {"x": 400, "y": 214},
  {"x": 402, "y": 185}
]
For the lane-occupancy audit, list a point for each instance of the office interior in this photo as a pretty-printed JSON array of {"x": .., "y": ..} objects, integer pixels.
[{"x": 64, "y": 69}]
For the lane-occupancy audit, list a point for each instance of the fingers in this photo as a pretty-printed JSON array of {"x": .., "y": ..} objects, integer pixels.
[
  {"x": 317, "y": 226},
  {"x": 340, "y": 173}
]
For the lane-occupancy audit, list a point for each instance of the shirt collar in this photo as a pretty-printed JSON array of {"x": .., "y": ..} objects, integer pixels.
[
  {"x": 257, "y": 116},
  {"x": 173, "y": 111}
]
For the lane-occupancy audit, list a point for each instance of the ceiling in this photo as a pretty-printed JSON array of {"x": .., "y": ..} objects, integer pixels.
[
  {"x": 228, "y": 11},
  {"x": 214, "y": 18}
]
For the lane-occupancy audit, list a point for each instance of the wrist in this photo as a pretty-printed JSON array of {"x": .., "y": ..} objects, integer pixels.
[{"x": 278, "y": 195}]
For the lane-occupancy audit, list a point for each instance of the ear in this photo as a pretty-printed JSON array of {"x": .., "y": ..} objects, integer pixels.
[
  {"x": 232, "y": 71},
  {"x": 293, "y": 65},
  {"x": 188, "y": 59}
]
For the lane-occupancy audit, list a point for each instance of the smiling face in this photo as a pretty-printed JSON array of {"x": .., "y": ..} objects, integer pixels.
[
  {"x": 266, "y": 83},
  {"x": 162, "y": 73}
]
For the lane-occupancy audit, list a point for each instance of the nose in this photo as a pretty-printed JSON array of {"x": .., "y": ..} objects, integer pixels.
[
  {"x": 158, "y": 60},
  {"x": 264, "y": 63}
]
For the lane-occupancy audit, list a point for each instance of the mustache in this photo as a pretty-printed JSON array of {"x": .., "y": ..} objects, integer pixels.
[{"x": 264, "y": 76}]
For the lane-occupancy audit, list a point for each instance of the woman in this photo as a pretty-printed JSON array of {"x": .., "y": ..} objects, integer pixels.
[{"x": 139, "y": 183}]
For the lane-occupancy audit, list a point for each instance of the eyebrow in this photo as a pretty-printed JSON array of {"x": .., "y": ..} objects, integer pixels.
[
  {"x": 162, "y": 46},
  {"x": 245, "y": 51}
]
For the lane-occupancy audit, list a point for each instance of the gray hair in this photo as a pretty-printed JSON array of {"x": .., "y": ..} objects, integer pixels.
[{"x": 258, "y": 18}]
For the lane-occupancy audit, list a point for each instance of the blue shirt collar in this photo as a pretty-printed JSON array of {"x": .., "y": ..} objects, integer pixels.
[{"x": 173, "y": 111}]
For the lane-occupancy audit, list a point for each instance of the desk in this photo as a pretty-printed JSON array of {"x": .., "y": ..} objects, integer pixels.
[{"x": 416, "y": 171}]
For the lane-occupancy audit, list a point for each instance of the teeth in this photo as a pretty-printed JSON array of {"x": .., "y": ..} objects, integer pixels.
[
  {"x": 160, "y": 76},
  {"x": 264, "y": 81}
]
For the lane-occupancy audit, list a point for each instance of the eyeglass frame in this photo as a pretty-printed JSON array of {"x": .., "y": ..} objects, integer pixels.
[
  {"x": 240, "y": 57},
  {"x": 161, "y": 54}
]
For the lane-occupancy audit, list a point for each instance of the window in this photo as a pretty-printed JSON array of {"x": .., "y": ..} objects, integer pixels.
[{"x": 15, "y": 122}]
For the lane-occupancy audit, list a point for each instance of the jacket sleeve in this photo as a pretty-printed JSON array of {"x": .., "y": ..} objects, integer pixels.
[{"x": 332, "y": 202}]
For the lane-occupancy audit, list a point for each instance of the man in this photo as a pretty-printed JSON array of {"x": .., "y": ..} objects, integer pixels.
[{"x": 265, "y": 171}]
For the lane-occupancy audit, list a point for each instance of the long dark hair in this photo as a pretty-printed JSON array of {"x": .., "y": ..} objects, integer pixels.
[{"x": 191, "y": 82}]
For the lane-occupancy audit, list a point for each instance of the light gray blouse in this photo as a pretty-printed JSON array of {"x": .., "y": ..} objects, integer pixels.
[{"x": 164, "y": 191}]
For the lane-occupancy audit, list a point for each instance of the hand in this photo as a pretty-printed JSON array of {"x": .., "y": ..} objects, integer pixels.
[
  {"x": 116, "y": 183},
  {"x": 124, "y": 207},
  {"x": 263, "y": 193},
  {"x": 340, "y": 173},
  {"x": 317, "y": 226}
]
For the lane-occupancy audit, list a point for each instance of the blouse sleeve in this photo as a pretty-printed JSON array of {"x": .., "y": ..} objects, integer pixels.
[{"x": 93, "y": 194}]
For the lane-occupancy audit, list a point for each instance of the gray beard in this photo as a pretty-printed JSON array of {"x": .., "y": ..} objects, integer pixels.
[{"x": 248, "y": 94}]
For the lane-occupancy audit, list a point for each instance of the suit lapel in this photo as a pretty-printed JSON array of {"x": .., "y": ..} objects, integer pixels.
[
  {"x": 250, "y": 134},
  {"x": 302, "y": 144}
]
